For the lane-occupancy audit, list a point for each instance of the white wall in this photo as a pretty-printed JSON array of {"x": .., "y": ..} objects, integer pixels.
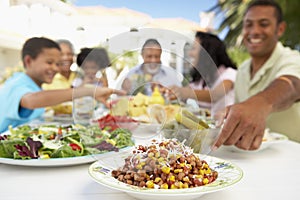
[
  {"x": 56, "y": 20},
  {"x": 9, "y": 58}
]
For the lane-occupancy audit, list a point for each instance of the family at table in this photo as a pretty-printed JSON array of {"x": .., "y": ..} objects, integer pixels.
[{"x": 263, "y": 92}]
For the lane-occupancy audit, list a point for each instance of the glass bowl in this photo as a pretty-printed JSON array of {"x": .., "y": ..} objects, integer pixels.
[{"x": 200, "y": 141}]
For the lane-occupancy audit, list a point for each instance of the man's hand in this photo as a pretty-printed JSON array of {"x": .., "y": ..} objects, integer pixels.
[{"x": 244, "y": 124}]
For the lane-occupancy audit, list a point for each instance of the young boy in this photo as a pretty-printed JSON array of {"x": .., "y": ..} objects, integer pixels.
[{"x": 21, "y": 96}]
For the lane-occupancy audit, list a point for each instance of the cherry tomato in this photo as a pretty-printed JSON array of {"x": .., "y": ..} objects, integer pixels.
[{"x": 75, "y": 147}]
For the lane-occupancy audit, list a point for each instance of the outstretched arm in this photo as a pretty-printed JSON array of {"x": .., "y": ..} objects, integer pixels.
[
  {"x": 245, "y": 122},
  {"x": 203, "y": 95},
  {"x": 54, "y": 97}
]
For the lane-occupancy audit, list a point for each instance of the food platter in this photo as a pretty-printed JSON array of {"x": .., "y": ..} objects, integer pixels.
[
  {"x": 229, "y": 174},
  {"x": 55, "y": 162},
  {"x": 60, "y": 113},
  {"x": 50, "y": 145}
]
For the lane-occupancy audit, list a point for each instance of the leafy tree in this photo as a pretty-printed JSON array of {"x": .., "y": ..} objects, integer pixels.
[{"x": 233, "y": 20}]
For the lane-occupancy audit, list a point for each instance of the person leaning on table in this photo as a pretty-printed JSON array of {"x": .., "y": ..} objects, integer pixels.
[
  {"x": 267, "y": 87},
  {"x": 213, "y": 74},
  {"x": 21, "y": 96}
]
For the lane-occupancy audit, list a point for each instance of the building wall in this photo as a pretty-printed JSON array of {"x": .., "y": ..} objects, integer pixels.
[
  {"x": 84, "y": 28},
  {"x": 9, "y": 58}
]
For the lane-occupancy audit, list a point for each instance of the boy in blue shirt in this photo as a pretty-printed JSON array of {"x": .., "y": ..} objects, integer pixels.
[{"x": 21, "y": 96}]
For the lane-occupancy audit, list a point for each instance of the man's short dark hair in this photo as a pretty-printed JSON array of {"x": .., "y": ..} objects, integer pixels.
[{"x": 272, "y": 3}]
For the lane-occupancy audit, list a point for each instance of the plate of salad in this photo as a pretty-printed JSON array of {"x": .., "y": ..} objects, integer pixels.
[{"x": 61, "y": 145}]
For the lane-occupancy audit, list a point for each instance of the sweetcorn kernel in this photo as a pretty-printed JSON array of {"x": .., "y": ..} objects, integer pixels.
[
  {"x": 173, "y": 187},
  {"x": 199, "y": 176},
  {"x": 205, "y": 181},
  {"x": 165, "y": 169},
  {"x": 208, "y": 171},
  {"x": 44, "y": 156},
  {"x": 178, "y": 170},
  {"x": 179, "y": 184},
  {"x": 186, "y": 179},
  {"x": 185, "y": 185},
  {"x": 157, "y": 179},
  {"x": 171, "y": 178},
  {"x": 201, "y": 171},
  {"x": 139, "y": 166},
  {"x": 164, "y": 186},
  {"x": 150, "y": 184}
]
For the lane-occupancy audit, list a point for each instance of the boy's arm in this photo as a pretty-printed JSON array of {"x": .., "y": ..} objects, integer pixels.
[{"x": 54, "y": 97}]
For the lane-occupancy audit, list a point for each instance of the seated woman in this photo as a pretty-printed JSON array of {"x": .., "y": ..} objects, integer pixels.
[{"x": 212, "y": 81}]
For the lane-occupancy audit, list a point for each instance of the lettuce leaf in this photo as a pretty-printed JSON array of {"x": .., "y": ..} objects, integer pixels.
[
  {"x": 65, "y": 151},
  {"x": 7, "y": 147},
  {"x": 122, "y": 137},
  {"x": 29, "y": 149}
]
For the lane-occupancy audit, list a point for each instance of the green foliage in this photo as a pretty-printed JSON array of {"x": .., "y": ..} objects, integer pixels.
[
  {"x": 292, "y": 17},
  {"x": 127, "y": 59},
  {"x": 120, "y": 61},
  {"x": 238, "y": 55}
]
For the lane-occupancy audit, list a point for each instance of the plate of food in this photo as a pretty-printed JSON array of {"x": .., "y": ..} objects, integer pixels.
[
  {"x": 165, "y": 169},
  {"x": 270, "y": 138},
  {"x": 60, "y": 145},
  {"x": 142, "y": 109},
  {"x": 59, "y": 113}
]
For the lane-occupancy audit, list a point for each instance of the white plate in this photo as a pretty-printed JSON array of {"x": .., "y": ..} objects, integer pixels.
[
  {"x": 56, "y": 162},
  {"x": 228, "y": 174},
  {"x": 273, "y": 138}
]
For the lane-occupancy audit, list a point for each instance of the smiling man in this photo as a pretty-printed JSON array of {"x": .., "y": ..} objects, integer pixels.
[
  {"x": 267, "y": 87},
  {"x": 151, "y": 72}
]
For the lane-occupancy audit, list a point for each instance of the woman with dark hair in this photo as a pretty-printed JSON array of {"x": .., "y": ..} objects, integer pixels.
[
  {"x": 212, "y": 76},
  {"x": 215, "y": 48}
]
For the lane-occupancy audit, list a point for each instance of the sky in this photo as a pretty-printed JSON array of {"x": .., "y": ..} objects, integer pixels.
[{"x": 187, "y": 9}]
